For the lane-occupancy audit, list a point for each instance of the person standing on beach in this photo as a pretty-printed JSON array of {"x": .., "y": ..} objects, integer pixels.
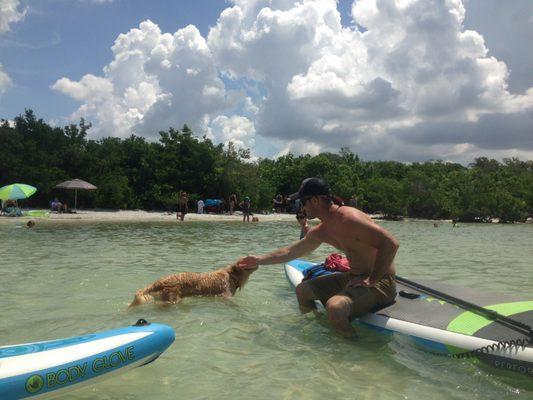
[
  {"x": 183, "y": 207},
  {"x": 302, "y": 221},
  {"x": 246, "y": 206},
  {"x": 200, "y": 206},
  {"x": 277, "y": 203},
  {"x": 370, "y": 250},
  {"x": 232, "y": 203},
  {"x": 353, "y": 201}
]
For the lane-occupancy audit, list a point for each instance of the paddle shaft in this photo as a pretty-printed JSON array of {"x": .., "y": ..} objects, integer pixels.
[{"x": 510, "y": 323}]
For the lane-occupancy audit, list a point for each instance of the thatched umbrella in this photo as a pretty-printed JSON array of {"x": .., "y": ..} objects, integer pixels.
[{"x": 76, "y": 184}]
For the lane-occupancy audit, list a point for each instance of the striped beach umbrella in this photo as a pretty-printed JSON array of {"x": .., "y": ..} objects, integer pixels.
[{"x": 16, "y": 191}]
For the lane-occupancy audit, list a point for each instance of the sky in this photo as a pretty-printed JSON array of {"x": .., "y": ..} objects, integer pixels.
[{"x": 404, "y": 80}]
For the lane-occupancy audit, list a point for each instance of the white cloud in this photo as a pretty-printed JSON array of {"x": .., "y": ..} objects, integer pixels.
[
  {"x": 298, "y": 147},
  {"x": 412, "y": 65},
  {"x": 237, "y": 129},
  {"x": 413, "y": 62},
  {"x": 97, "y": 2},
  {"x": 9, "y": 14},
  {"x": 5, "y": 80},
  {"x": 89, "y": 87},
  {"x": 156, "y": 80},
  {"x": 411, "y": 83}
]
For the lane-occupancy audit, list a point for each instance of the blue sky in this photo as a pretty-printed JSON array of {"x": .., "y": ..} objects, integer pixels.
[
  {"x": 273, "y": 84},
  {"x": 72, "y": 38}
]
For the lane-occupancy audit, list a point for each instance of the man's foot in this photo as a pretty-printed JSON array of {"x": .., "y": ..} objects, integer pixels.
[
  {"x": 352, "y": 336},
  {"x": 308, "y": 309}
]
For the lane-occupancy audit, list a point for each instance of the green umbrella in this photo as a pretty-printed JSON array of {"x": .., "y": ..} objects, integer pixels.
[{"x": 16, "y": 191}]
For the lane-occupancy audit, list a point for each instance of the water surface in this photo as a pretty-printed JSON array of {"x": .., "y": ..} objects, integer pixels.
[{"x": 61, "y": 280}]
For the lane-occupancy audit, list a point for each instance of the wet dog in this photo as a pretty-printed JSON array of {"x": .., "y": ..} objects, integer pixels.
[{"x": 223, "y": 282}]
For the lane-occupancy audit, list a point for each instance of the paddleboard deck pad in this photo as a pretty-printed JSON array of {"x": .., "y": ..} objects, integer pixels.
[
  {"x": 442, "y": 327},
  {"x": 46, "y": 369}
]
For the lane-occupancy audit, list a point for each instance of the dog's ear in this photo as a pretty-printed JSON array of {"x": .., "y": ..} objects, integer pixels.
[{"x": 233, "y": 268}]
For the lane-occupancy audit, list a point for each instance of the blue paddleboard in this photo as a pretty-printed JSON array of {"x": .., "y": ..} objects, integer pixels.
[{"x": 46, "y": 369}]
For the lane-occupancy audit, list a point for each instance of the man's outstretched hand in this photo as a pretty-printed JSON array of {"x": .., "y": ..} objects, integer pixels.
[{"x": 248, "y": 262}]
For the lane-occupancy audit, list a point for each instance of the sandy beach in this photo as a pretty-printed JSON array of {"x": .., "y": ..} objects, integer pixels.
[
  {"x": 136, "y": 216},
  {"x": 42, "y": 215}
]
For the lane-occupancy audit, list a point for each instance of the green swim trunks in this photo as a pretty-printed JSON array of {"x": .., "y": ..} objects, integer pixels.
[{"x": 363, "y": 299}]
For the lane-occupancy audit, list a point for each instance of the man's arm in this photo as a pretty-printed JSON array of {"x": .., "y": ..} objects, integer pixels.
[
  {"x": 385, "y": 244},
  {"x": 297, "y": 249},
  {"x": 386, "y": 251}
]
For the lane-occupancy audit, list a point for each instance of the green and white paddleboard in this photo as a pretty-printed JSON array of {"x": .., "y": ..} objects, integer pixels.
[{"x": 440, "y": 326}]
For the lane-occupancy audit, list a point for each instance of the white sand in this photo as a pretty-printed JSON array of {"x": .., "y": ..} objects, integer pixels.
[{"x": 140, "y": 215}]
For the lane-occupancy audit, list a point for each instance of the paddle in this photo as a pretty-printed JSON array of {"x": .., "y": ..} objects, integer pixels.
[{"x": 510, "y": 323}]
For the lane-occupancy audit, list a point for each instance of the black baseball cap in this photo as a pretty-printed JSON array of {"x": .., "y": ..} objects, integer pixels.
[{"x": 312, "y": 187}]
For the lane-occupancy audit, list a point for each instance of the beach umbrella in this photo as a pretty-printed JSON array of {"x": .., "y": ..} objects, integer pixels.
[
  {"x": 76, "y": 184},
  {"x": 16, "y": 191}
]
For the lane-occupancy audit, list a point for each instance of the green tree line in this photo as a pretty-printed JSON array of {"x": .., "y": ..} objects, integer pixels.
[{"x": 134, "y": 173}]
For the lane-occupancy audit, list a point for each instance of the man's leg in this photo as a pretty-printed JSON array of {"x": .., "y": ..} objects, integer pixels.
[
  {"x": 321, "y": 288},
  {"x": 356, "y": 301},
  {"x": 306, "y": 297},
  {"x": 339, "y": 309}
]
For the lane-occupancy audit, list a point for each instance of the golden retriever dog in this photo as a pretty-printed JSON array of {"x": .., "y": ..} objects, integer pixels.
[{"x": 171, "y": 289}]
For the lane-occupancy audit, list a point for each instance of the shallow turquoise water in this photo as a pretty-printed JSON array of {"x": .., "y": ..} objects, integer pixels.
[{"x": 61, "y": 280}]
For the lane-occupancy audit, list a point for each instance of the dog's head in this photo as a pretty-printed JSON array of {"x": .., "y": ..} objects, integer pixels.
[{"x": 240, "y": 276}]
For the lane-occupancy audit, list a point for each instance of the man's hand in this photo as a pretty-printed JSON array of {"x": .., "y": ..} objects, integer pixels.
[{"x": 248, "y": 262}]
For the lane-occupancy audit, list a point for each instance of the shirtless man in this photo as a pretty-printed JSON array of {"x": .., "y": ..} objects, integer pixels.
[
  {"x": 369, "y": 248},
  {"x": 183, "y": 206}
]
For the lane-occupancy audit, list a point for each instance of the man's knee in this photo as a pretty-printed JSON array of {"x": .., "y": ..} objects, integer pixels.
[
  {"x": 339, "y": 308},
  {"x": 303, "y": 290},
  {"x": 306, "y": 297}
]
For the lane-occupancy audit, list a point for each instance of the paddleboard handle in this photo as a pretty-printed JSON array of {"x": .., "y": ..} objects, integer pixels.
[
  {"x": 141, "y": 322},
  {"x": 408, "y": 295}
]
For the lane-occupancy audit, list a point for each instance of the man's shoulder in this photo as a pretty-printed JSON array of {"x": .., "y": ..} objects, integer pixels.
[
  {"x": 351, "y": 211},
  {"x": 354, "y": 215},
  {"x": 316, "y": 232}
]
